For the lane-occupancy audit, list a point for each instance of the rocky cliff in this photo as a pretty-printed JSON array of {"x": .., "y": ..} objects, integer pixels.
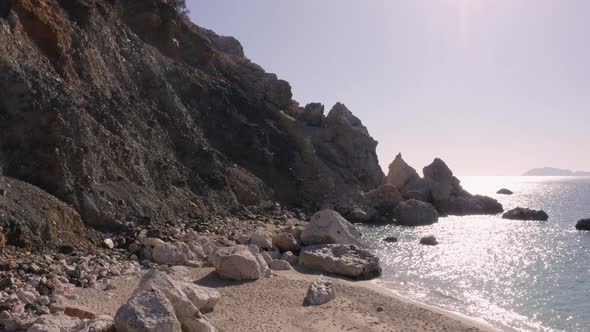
[{"x": 130, "y": 114}]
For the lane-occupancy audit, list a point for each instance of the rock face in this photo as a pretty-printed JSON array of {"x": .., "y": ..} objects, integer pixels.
[
  {"x": 526, "y": 214},
  {"x": 415, "y": 213},
  {"x": 440, "y": 188},
  {"x": 504, "y": 191},
  {"x": 328, "y": 226},
  {"x": 320, "y": 292},
  {"x": 237, "y": 263},
  {"x": 128, "y": 112},
  {"x": 583, "y": 225},
  {"x": 344, "y": 260}
]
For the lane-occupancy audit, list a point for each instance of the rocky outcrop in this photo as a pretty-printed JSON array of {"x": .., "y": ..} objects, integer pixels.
[
  {"x": 504, "y": 191},
  {"x": 345, "y": 260},
  {"x": 131, "y": 114},
  {"x": 321, "y": 291},
  {"x": 583, "y": 225},
  {"x": 327, "y": 227},
  {"x": 440, "y": 188},
  {"x": 526, "y": 214},
  {"x": 415, "y": 213}
]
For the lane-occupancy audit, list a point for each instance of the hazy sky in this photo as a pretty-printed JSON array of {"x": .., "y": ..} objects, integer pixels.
[{"x": 493, "y": 87}]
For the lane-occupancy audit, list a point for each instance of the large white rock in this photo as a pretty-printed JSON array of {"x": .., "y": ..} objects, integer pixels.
[
  {"x": 327, "y": 227},
  {"x": 320, "y": 291},
  {"x": 147, "y": 311},
  {"x": 345, "y": 260},
  {"x": 237, "y": 263}
]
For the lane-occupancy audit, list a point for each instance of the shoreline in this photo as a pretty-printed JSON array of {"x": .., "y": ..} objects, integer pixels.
[{"x": 276, "y": 304}]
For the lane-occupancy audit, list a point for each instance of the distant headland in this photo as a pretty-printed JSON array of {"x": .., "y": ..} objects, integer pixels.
[{"x": 549, "y": 171}]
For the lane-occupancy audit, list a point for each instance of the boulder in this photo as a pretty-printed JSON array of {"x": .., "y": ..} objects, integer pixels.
[
  {"x": 526, "y": 214},
  {"x": 57, "y": 322},
  {"x": 400, "y": 173},
  {"x": 147, "y": 311},
  {"x": 262, "y": 241},
  {"x": 285, "y": 242},
  {"x": 327, "y": 227},
  {"x": 504, "y": 191},
  {"x": 290, "y": 257},
  {"x": 583, "y": 225},
  {"x": 429, "y": 240},
  {"x": 344, "y": 260},
  {"x": 383, "y": 199},
  {"x": 280, "y": 265},
  {"x": 415, "y": 213},
  {"x": 320, "y": 291},
  {"x": 471, "y": 205},
  {"x": 178, "y": 253},
  {"x": 236, "y": 263}
]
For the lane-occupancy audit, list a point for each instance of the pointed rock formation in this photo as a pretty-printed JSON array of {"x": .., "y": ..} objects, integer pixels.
[{"x": 400, "y": 173}]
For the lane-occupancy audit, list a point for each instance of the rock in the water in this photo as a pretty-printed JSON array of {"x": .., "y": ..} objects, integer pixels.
[
  {"x": 504, "y": 191},
  {"x": 429, "y": 240},
  {"x": 415, "y": 213},
  {"x": 526, "y": 214},
  {"x": 344, "y": 260},
  {"x": 147, "y": 311},
  {"x": 237, "y": 263},
  {"x": 320, "y": 292},
  {"x": 400, "y": 173},
  {"x": 583, "y": 225},
  {"x": 390, "y": 239},
  {"x": 280, "y": 265},
  {"x": 285, "y": 242},
  {"x": 383, "y": 199},
  {"x": 327, "y": 227}
]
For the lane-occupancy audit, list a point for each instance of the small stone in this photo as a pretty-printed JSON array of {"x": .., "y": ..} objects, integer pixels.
[
  {"x": 108, "y": 244},
  {"x": 320, "y": 292},
  {"x": 379, "y": 309},
  {"x": 44, "y": 300},
  {"x": 429, "y": 240},
  {"x": 26, "y": 297},
  {"x": 2, "y": 192}
]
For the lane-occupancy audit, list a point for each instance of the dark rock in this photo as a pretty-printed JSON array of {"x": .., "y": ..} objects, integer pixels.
[
  {"x": 5, "y": 7},
  {"x": 2, "y": 192},
  {"x": 583, "y": 225},
  {"x": 390, "y": 239},
  {"x": 400, "y": 173},
  {"x": 415, "y": 213},
  {"x": 65, "y": 249},
  {"x": 526, "y": 214},
  {"x": 429, "y": 241},
  {"x": 6, "y": 282},
  {"x": 313, "y": 114},
  {"x": 504, "y": 191}
]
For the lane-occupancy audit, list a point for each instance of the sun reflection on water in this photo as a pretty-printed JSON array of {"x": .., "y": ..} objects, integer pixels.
[{"x": 520, "y": 275}]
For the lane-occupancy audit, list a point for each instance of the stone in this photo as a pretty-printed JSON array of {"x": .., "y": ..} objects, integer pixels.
[
  {"x": 390, "y": 239},
  {"x": 26, "y": 297},
  {"x": 108, "y": 244},
  {"x": 266, "y": 258},
  {"x": 583, "y": 225},
  {"x": 429, "y": 240},
  {"x": 285, "y": 242},
  {"x": 329, "y": 227},
  {"x": 236, "y": 263},
  {"x": 400, "y": 173},
  {"x": 171, "y": 254},
  {"x": 344, "y": 260},
  {"x": 320, "y": 291},
  {"x": 150, "y": 241},
  {"x": 54, "y": 323},
  {"x": 264, "y": 268},
  {"x": 147, "y": 311},
  {"x": 290, "y": 257},
  {"x": 526, "y": 214},
  {"x": 260, "y": 240},
  {"x": 504, "y": 191},
  {"x": 383, "y": 199},
  {"x": 280, "y": 265},
  {"x": 415, "y": 213}
]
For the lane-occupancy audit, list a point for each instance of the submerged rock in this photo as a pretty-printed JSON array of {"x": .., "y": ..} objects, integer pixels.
[
  {"x": 583, "y": 225},
  {"x": 327, "y": 227},
  {"x": 320, "y": 291},
  {"x": 526, "y": 214},
  {"x": 390, "y": 239},
  {"x": 504, "y": 191},
  {"x": 344, "y": 260},
  {"x": 415, "y": 213},
  {"x": 429, "y": 241}
]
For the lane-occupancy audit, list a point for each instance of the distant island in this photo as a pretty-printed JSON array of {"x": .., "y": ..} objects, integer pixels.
[{"x": 549, "y": 171}]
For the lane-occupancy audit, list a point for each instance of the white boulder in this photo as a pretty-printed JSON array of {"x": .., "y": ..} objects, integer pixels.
[
  {"x": 328, "y": 227},
  {"x": 320, "y": 292}
]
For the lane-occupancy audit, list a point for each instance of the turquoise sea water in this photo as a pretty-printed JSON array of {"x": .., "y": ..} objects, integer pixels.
[{"x": 516, "y": 275}]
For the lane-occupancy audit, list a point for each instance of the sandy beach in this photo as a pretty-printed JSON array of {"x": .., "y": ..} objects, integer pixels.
[{"x": 276, "y": 304}]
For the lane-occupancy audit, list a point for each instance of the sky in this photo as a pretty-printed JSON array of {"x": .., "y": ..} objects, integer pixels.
[{"x": 493, "y": 87}]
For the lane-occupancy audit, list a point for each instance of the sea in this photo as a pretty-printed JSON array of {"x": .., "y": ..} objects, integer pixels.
[{"x": 515, "y": 275}]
